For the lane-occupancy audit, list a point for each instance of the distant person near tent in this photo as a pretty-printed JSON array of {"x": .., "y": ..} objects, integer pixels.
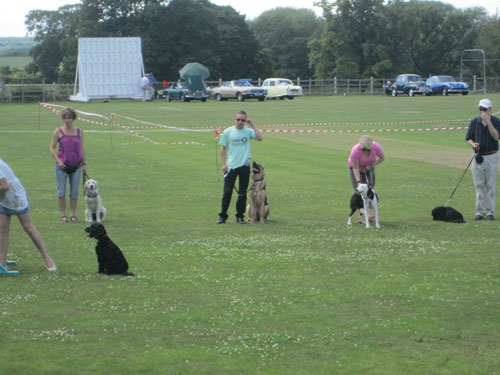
[{"x": 146, "y": 88}]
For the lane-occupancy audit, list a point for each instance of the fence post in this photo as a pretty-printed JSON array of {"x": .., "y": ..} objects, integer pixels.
[
  {"x": 259, "y": 83},
  {"x": 54, "y": 91},
  {"x": 310, "y": 86},
  {"x": 359, "y": 85},
  {"x": 10, "y": 92},
  {"x": 22, "y": 91},
  {"x": 348, "y": 84},
  {"x": 2, "y": 82},
  {"x": 298, "y": 81},
  {"x": 43, "y": 90},
  {"x": 220, "y": 81},
  {"x": 335, "y": 85},
  {"x": 371, "y": 85}
]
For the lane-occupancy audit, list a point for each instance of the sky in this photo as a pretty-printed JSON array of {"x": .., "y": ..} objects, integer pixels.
[{"x": 12, "y": 23}]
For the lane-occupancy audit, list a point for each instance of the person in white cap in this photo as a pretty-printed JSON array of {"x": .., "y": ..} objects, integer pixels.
[{"x": 482, "y": 134}]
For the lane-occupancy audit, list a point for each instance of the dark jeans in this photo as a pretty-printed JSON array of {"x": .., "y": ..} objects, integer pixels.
[
  {"x": 365, "y": 178},
  {"x": 243, "y": 174}
]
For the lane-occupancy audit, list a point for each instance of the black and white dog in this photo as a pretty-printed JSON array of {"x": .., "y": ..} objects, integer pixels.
[
  {"x": 448, "y": 214},
  {"x": 110, "y": 258},
  {"x": 365, "y": 199},
  {"x": 94, "y": 210}
]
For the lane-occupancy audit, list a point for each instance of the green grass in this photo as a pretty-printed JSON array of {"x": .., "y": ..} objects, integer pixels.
[
  {"x": 302, "y": 294},
  {"x": 15, "y": 61}
]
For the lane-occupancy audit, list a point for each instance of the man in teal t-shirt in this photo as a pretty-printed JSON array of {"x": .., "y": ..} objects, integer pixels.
[{"x": 235, "y": 155}]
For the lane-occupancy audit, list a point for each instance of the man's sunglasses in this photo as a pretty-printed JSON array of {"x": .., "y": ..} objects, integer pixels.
[
  {"x": 482, "y": 109},
  {"x": 241, "y": 119}
]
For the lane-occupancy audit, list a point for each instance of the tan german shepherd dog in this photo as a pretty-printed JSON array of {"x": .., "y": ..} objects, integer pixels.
[{"x": 258, "y": 209}]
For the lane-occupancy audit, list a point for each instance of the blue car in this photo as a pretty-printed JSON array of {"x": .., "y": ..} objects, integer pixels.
[
  {"x": 410, "y": 84},
  {"x": 445, "y": 85}
]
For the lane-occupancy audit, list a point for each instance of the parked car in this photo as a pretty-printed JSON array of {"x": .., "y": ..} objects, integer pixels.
[
  {"x": 240, "y": 89},
  {"x": 281, "y": 88},
  {"x": 410, "y": 84},
  {"x": 185, "y": 91},
  {"x": 445, "y": 85}
]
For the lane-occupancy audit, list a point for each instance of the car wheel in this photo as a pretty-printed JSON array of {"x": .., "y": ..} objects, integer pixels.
[
  {"x": 262, "y": 99},
  {"x": 183, "y": 98},
  {"x": 465, "y": 93},
  {"x": 394, "y": 92},
  {"x": 218, "y": 97},
  {"x": 240, "y": 97},
  {"x": 444, "y": 91},
  {"x": 411, "y": 92},
  {"x": 290, "y": 97},
  {"x": 168, "y": 98},
  {"x": 203, "y": 100}
]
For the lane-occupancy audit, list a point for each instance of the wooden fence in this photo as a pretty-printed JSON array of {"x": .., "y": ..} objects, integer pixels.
[{"x": 26, "y": 91}]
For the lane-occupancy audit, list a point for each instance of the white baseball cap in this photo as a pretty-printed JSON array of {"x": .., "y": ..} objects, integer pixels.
[{"x": 485, "y": 103}]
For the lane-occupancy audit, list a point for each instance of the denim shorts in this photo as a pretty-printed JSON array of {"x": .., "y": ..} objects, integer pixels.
[
  {"x": 8, "y": 212},
  {"x": 74, "y": 182}
]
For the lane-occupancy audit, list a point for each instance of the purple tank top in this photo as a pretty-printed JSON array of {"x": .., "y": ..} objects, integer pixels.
[{"x": 70, "y": 149}]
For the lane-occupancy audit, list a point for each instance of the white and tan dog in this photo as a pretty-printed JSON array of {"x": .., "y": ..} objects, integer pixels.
[
  {"x": 366, "y": 200},
  {"x": 94, "y": 211}
]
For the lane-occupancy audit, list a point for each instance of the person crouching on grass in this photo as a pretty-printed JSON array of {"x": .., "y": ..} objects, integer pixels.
[
  {"x": 235, "y": 155},
  {"x": 364, "y": 156},
  {"x": 14, "y": 202}
]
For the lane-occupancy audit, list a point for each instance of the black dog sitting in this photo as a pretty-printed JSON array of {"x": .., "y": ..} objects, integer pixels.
[
  {"x": 448, "y": 214},
  {"x": 109, "y": 256}
]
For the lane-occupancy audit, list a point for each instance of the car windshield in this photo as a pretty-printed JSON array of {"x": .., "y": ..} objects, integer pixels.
[
  {"x": 283, "y": 82},
  {"x": 242, "y": 83},
  {"x": 445, "y": 79},
  {"x": 414, "y": 79},
  {"x": 182, "y": 85}
]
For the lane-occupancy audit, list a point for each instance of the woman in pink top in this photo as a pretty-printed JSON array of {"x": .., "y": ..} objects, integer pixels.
[
  {"x": 364, "y": 157},
  {"x": 70, "y": 161}
]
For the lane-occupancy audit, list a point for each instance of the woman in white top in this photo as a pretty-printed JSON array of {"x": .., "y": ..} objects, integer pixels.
[{"x": 14, "y": 201}]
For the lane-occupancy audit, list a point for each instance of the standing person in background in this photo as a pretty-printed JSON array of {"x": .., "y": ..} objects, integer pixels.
[
  {"x": 70, "y": 162},
  {"x": 235, "y": 155},
  {"x": 14, "y": 202},
  {"x": 146, "y": 88},
  {"x": 364, "y": 156},
  {"x": 482, "y": 135}
]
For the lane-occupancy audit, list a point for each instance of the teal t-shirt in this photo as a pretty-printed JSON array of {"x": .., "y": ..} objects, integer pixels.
[{"x": 237, "y": 143}]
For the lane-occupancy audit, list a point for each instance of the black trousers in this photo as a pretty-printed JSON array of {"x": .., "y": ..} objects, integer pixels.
[{"x": 243, "y": 174}]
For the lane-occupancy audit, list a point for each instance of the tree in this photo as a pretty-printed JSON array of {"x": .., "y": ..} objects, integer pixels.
[
  {"x": 55, "y": 33},
  {"x": 284, "y": 34}
]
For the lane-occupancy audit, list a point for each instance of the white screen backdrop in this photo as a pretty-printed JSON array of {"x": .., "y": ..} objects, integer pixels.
[{"x": 108, "y": 68}]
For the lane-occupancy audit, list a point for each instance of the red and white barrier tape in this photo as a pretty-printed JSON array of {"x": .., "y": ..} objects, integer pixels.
[
  {"x": 53, "y": 108},
  {"x": 289, "y": 131}
]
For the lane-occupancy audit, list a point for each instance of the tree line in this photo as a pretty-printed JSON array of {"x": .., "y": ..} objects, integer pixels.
[{"x": 353, "y": 38}]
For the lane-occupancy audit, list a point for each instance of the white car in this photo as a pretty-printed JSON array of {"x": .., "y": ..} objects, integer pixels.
[{"x": 281, "y": 88}]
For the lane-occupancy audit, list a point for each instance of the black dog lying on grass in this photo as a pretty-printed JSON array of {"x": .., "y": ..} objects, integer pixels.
[
  {"x": 448, "y": 214},
  {"x": 109, "y": 256}
]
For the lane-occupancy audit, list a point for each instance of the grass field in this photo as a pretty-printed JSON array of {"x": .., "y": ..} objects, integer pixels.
[
  {"x": 301, "y": 294},
  {"x": 15, "y": 61}
]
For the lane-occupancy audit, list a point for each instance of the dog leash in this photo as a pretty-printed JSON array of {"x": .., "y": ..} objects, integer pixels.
[
  {"x": 453, "y": 192},
  {"x": 84, "y": 180}
]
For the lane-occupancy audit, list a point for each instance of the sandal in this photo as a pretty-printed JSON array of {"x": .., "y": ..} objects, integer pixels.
[
  {"x": 73, "y": 219},
  {"x": 64, "y": 219}
]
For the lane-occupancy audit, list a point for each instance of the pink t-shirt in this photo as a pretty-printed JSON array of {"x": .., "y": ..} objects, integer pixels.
[{"x": 362, "y": 157}]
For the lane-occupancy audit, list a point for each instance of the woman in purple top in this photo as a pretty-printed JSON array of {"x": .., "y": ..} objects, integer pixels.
[{"x": 70, "y": 161}]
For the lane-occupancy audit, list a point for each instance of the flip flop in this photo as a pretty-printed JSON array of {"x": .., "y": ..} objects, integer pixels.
[
  {"x": 64, "y": 219},
  {"x": 73, "y": 219}
]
